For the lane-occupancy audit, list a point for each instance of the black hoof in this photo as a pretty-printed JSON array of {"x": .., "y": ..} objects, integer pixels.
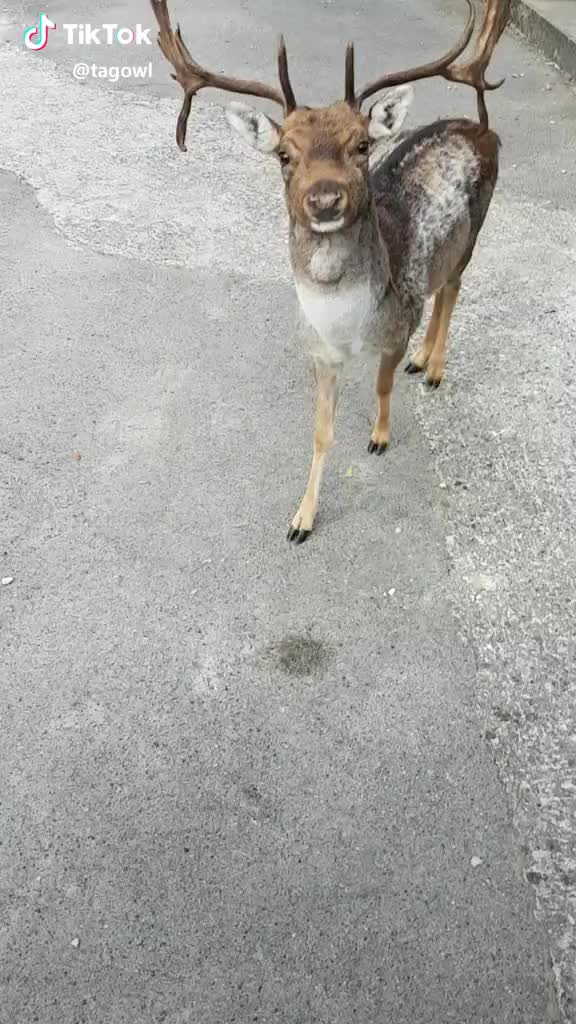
[
  {"x": 432, "y": 384},
  {"x": 413, "y": 368},
  {"x": 297, "y": 536},
  {"x": 377, "y": 449}
]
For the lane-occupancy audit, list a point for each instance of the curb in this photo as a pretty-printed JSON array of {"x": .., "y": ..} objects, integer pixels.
[{"x": 551, "y": 35}]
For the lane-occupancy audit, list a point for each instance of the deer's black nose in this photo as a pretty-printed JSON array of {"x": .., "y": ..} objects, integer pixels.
[{"x": 326, "y": 201}]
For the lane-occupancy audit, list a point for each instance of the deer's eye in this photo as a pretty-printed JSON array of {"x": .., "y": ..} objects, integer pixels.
[
  {"x": 363, "y": 146},
  {"x": 283, "y": 157}
]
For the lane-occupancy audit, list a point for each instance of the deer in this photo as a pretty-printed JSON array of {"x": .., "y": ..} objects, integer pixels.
[{"x": 370, "y": 240}]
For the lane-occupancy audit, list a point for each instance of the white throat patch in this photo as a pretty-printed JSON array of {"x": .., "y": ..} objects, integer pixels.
[
  {"x": 328, "y": 261},
  {"x": 340, "y": 317}
]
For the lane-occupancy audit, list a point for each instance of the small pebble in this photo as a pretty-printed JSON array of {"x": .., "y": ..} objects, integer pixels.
[
  {"x": 476, "y": 862},
  {"x": 75, "y": 943},
  {"x": 392, "y": 591},
  {"x": 7, "y": 580},
  {"x": 398, "y": 530}
]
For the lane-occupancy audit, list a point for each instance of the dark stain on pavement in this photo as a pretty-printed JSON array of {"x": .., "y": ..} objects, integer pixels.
[{"x": 299, "y": 655}]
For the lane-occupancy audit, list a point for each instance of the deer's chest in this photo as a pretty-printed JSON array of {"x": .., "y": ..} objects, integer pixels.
[{"x": 341, "y": 318}]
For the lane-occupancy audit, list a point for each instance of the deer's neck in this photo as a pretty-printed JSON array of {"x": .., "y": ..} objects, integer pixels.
[
  {"x": 342, "y": 282},
  {"x": 347, "y": 258}
]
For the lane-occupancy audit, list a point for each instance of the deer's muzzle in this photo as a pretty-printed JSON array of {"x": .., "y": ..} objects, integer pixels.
[{"x": 326, "y": 204}]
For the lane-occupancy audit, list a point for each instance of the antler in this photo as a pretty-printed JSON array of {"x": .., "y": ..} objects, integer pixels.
[
  {"x": 496, "y": 15},
  {"x": 193, "y": 77}
]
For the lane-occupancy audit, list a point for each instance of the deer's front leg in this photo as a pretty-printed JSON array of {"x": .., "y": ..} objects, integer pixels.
[
  {"x": 326, "y": 397},
  {"x": 380, "y": 436}
]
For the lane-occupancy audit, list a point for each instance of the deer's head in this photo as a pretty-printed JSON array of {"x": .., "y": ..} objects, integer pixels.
[{"x": 323, "y": 152}]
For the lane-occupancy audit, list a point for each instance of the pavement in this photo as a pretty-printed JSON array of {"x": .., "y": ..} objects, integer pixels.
[
  {"x": 550, "y": 25},
  {"x": 242, "y": 782}
]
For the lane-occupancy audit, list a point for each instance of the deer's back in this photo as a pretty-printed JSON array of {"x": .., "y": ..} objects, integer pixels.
[{"x": 431, "y": 194}]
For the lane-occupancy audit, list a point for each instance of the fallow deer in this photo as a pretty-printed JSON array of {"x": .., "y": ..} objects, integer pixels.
[{"x": 369, "y": 243}]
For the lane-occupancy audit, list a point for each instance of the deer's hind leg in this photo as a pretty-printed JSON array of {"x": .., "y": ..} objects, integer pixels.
[
  {"x": 431, "y": 356},
  {"x": 437, "y": 358},
  {"x": 419, "y": 360}
]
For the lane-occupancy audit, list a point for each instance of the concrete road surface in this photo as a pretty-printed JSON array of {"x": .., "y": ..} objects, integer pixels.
[{"x": 241, "y": 782}]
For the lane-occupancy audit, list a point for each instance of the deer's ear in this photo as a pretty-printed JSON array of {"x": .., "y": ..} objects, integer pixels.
[
  {"x": 258, "y": 130},
  {"x": 389, "y": 113}
]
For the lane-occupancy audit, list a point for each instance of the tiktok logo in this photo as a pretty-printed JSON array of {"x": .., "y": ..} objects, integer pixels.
[{"x": 36, "y": 37}]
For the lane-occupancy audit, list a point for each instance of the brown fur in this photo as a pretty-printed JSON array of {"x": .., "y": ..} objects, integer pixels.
[{"x": 322, "y": 145}]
